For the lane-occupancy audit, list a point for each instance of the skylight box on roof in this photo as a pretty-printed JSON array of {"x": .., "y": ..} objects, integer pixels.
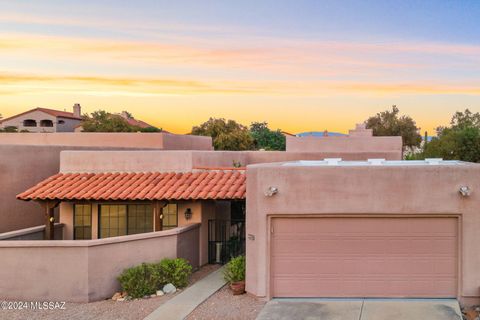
[{"x": 373, "y": 162}]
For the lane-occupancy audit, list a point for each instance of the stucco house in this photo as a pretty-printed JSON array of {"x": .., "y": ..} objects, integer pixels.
[
  {"x": 45, "y": 120},
  {"x": 311, "y": 225}
]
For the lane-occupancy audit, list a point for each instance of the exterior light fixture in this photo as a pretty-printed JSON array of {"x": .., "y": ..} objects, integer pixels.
[
  {"x": 465, "y": 191},
  {"x": 188, "y": 214},
  {"x": 271, "y": 191}
]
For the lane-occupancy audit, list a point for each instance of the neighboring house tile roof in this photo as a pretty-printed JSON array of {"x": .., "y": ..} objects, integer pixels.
[
  {"x": 55, "y": 113},
  {"x": 205, "y": 184},
  {"x": 137, "y": 123}
]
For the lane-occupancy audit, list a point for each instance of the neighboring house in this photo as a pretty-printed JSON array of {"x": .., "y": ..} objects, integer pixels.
[{"x": 45, "y": 120}]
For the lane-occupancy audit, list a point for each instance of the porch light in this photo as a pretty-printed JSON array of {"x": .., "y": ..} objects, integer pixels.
[
  {"x": 465, "y": 191},
  {"x": 188, "y": 214}
]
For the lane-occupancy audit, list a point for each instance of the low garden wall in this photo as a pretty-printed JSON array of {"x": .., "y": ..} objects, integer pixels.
[
  {"x": 85, "y": 270},
  {"x": 33, "y": 233}
]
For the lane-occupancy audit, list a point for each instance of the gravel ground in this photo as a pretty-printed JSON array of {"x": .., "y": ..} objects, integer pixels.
[
  {"x": 223, "y": 305},
  {"x": 105, "y": 309}
]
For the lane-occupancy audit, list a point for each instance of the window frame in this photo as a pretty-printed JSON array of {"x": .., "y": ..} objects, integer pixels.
[
  {"x": 44, "y": 121},
  {"x": 26, "y": 123},
  {"x": 126, "y": 205},
  {"x": 168, "y": 227},
  {"x": 83, "y": 226}
]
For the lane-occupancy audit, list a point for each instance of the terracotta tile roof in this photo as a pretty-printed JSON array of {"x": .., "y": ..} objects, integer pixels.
[
  {"x": 137, "y": 123},
  {"x": 206, "y": 184},
  {"x": 55, "y": 113}
]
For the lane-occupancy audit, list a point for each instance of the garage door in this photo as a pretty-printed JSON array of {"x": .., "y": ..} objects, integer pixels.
[{"x": 364, "y": 257}]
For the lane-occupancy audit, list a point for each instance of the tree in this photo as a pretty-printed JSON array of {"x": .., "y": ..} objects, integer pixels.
[
  {"x": 389, "y": 123},
  {"x": 267, "y": 139},
  {"x": 226, "y": 134},
  {"x": 102, "y": 121},
  {"x": 460, "y": 141}
]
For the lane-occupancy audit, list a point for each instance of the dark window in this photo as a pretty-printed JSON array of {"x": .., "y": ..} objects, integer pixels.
[
  {"x": 29, "y": 123},
  {"x": 113, "y": 221},
  {"x": 61, "y": 121},
  {"x": 121, "y": 219},
  {"x": 170, "y": 216},
  {"x": 140, "y": 218},
  {"x": 46, "y": 123},
  {"x": 82, "y": 222}
]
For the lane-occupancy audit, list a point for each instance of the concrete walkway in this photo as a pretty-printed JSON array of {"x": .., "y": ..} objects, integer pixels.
[
  {"x": 180, "y": 306},
  {"x": 361, "y": 309}
]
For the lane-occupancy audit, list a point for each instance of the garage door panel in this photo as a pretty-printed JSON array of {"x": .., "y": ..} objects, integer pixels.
[{"x": 383, "y": 257}]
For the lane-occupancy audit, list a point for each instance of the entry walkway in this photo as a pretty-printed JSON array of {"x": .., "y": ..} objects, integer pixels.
[
  {"x": 361, "y": 309},
  {"x": 180, "y": 306}
]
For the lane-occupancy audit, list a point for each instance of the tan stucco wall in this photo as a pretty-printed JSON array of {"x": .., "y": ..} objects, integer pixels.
[
  {"x": 21, "y": 167},
  {"x": 370, "y": 190},
  {"x": 118, "y": 139},
  {"x": 390, "y": 146},
  {"x": 84, "y": 271},
  {"x": 185, "y": 160}
]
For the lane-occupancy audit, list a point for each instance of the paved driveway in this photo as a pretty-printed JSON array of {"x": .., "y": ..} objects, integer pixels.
[{"x": 361, "y": 309}]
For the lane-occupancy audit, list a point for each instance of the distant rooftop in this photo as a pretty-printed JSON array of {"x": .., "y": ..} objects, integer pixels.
[
  {"x": 320, "y": 134},
  {"x": 372, "y": 162}
]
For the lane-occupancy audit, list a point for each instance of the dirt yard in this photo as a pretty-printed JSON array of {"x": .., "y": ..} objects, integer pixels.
[{"x": 223, "y": 305}]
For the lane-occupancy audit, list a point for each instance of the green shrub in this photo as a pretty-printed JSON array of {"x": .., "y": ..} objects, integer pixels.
[
  {"x": 147, "y": 278},
  {"x": 174, "y": 271},
  {"x": 140, "y": 280},
  {"x": 235, "y": 270}
]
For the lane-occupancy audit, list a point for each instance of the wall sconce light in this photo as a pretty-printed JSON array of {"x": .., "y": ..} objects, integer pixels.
[
  {"x": 271, "y": 191},
  {"x": 188, "y": 214},
  {"x": 465, "y": 191}
]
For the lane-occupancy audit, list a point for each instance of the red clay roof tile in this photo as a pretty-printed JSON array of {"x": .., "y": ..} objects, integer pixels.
[{"x": 221, "y": 184}]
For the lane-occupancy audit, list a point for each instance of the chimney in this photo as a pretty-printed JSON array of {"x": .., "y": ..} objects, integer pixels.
[{"x": 77, "y": 110}]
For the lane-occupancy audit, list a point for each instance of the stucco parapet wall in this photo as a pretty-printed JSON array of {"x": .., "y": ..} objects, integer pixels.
[
  {"x": 186, "y": 160},
  {"x": 166, "y": 141},
  {"x": 346, "y": 143},
  {"x": 97, "y": 242}
]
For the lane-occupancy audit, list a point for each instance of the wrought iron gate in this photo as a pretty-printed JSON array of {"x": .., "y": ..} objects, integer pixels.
[{"x": 226, "y": 239}]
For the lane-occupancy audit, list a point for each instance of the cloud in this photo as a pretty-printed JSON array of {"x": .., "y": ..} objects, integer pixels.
[
  {"x": 274, "y": 57},
  {"x": 145, "y": 87}
]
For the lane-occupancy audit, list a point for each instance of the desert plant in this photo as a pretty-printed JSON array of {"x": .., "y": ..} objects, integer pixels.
[
  {"x": 147, "y": 278},
  {"x": 174, "y": 271},
  {"x": 235, "y": 270},
  {"x": 140, "y": 280}
]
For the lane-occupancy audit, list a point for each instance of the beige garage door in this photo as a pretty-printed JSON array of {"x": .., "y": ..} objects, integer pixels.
[{"x": 364, "y": 257}]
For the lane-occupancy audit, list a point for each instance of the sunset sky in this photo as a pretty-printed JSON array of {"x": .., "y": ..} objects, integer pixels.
[{"x": 299, "y": 65}]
